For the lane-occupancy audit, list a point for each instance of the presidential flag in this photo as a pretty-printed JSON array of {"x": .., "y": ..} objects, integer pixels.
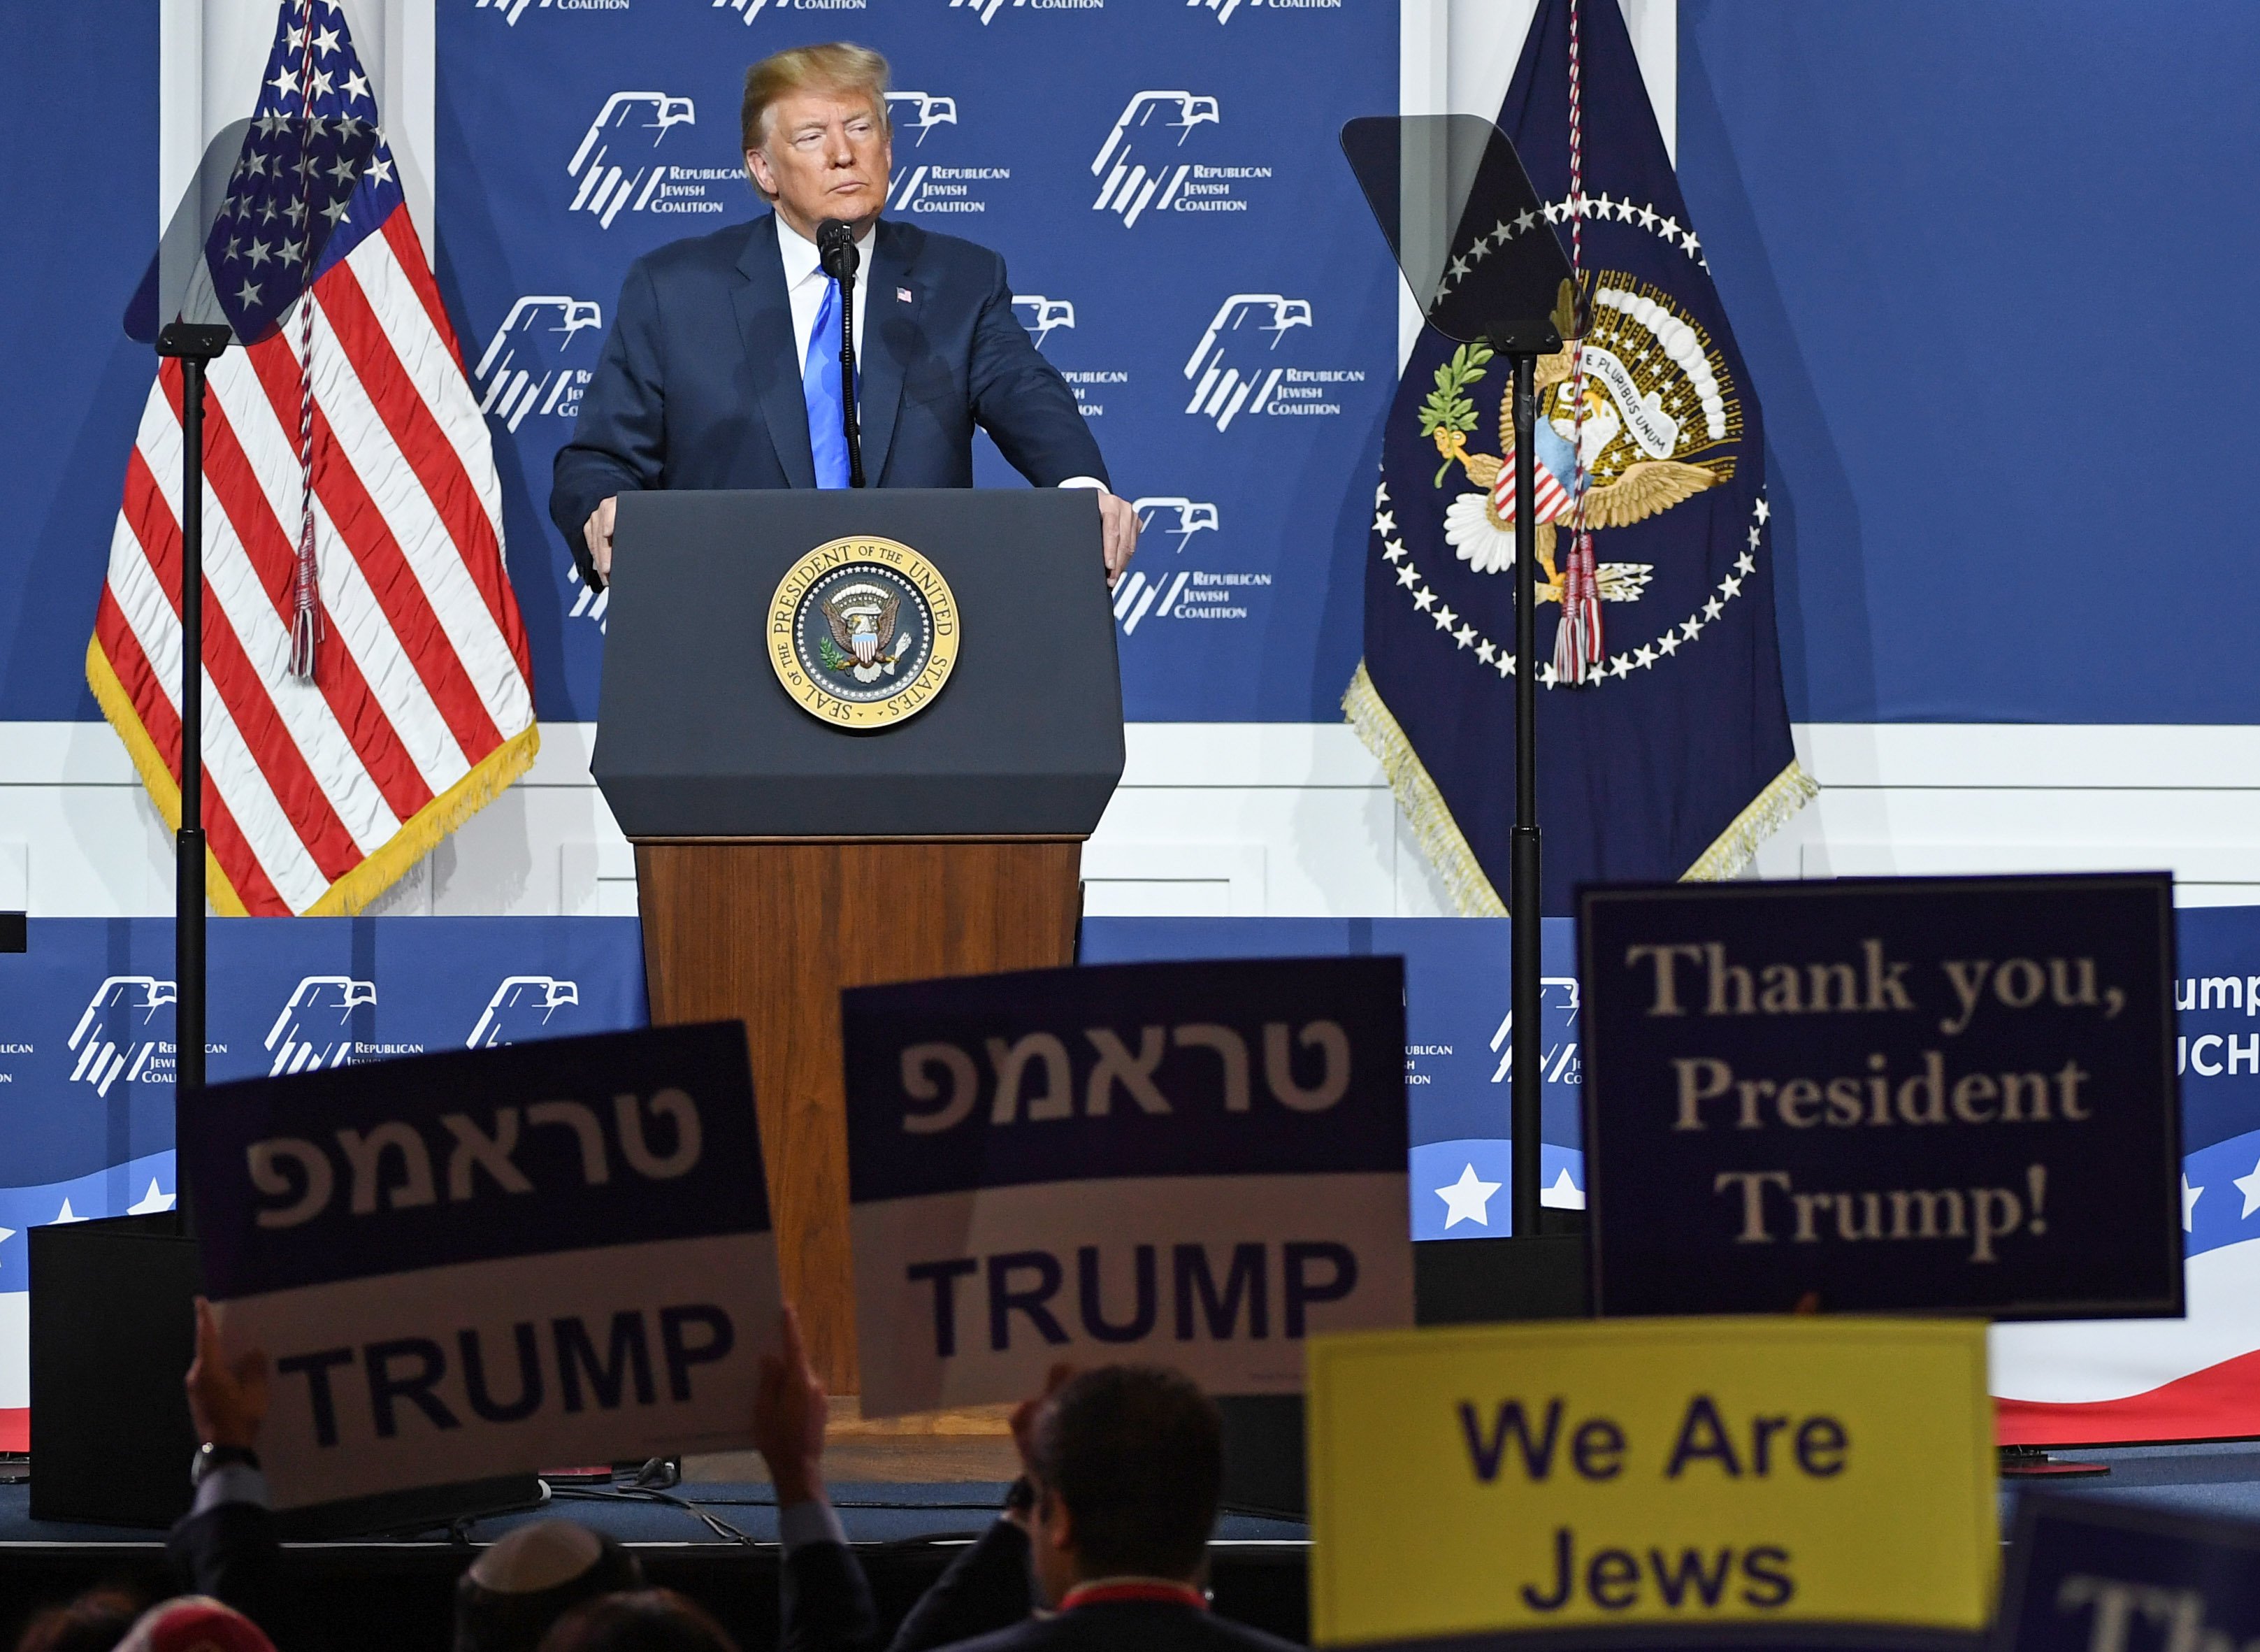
[
  {"x": 367, "y": 686},
  {"x": 1663, "y": 746}
]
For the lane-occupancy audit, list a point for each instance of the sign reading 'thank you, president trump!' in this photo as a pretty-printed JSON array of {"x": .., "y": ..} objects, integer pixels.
[
  {"x": 476, "y": 1264},
  {"x": 1191, "y": 1164},
  {"x": 1945, "y": 1094}
]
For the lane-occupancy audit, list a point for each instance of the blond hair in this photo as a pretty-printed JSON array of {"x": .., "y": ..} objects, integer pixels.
[{"x": 836, "y": 66}]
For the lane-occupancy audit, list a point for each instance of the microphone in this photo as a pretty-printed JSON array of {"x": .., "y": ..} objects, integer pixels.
[{"x": 835, "y": 249}]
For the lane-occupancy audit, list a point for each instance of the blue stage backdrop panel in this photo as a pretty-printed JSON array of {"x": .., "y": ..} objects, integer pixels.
[
  {"x": 1955, "y": 239},
  {"x": 86, "y": 1025},
  {"x": 79, "y": 197},
  {"x": 572, "y": 139}
]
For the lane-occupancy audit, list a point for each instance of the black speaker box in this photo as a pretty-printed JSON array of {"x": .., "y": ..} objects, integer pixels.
[
  {"x": 113, "y": 1328},
  {"x": 1455, "y": 1281}
]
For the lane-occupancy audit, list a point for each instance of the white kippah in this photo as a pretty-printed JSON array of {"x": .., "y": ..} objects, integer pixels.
[{"x": 537, "y": 1557}]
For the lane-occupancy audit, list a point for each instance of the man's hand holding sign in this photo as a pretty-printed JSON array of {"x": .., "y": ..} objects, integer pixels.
[{"x": 480, "y": 1263}]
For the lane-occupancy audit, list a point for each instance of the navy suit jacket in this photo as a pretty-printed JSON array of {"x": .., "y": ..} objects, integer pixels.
[{"x": 699, "y": 382}]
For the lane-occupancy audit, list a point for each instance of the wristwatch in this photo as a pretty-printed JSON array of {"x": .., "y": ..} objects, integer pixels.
[{"x": 210, "y": 1456}]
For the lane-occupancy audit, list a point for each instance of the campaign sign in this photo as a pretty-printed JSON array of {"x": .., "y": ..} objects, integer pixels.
[
  {"x": 1191, "y": 1165},
  {"x": 1950, "y": 1095},
  {"x": 1730, "y": 1478},
  {"x": 2085, "y": 1575},
  {"x": 479, "y": 1262}
]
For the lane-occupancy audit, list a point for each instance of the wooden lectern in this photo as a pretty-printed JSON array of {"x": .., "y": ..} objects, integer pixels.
[{"x": 779, "y": 858}]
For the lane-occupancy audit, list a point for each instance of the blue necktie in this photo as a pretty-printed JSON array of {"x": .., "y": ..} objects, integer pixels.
[{"x": 820, "y": 386}]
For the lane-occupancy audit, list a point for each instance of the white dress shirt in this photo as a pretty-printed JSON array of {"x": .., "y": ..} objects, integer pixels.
[{"x": 805, "y": 282}]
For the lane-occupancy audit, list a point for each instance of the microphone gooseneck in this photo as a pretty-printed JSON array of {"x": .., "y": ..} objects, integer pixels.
[{"x": 835, "y": 251}]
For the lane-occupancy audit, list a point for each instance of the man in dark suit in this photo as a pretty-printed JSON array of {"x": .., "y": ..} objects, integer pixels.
[
  {"x": 1125, "y": 1466},
  {"x": 722, "y": 367}
]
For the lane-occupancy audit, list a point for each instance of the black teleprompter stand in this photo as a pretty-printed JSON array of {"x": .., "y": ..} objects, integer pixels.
[
  {"x": 196, "y": 345},
  {"x": 112, "y": 1328},
  {"x": 1540, "y": 1273},
  {"x": 110, "y": 1435},
  {"x": 1451, "y": 197},
  {"x": 1444, "y": 190},
  {"x": 1537, "y": 1274}
]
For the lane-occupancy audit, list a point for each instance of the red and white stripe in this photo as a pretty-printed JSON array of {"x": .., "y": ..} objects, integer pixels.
[
  {"x": 2093, "y": 1381},
  {"x": 1550, "y": 499},
  {"x": 422, "y": 672}
]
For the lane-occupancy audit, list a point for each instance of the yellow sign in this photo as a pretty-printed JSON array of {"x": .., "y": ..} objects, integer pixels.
[
  {"x": 1642, "y": 1471},
  {"x": 863, "y": 632}
]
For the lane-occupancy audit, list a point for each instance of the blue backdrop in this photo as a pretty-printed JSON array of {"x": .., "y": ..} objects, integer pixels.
[
  {"x": 1953, "y": 241},
  {"x": 570, "y": 141},
  {"x": 1950, "y": 241}
]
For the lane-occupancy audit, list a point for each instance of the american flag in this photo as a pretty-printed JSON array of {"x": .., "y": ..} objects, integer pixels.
[{"x": 319, "y": 794}]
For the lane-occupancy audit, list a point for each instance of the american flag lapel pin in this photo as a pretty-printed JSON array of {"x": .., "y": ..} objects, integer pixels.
[{"x": 902, "y": 295}]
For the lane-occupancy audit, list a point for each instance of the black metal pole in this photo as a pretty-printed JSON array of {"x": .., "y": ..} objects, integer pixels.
[
  {"x": 188, "y": 842},
  {"x": 1524, "y": 1063},
  {"x": 852, "y": 427}
]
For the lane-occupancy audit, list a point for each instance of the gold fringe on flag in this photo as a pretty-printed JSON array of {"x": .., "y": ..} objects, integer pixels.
[
  {"x": 419, "y": 836},
  {"x": 1732, "y": 850},
  {"x": 1472, "y": 895},
  {"x": 1439, "y": 834}
]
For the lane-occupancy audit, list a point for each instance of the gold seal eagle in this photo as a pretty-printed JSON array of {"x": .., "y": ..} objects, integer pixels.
[{"x": 1654, "y": 405}]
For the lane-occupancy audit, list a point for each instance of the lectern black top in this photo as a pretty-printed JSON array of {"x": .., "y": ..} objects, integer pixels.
[
  {"x": 1469, "y": 234},
  {"x": 701, "y": 734}
]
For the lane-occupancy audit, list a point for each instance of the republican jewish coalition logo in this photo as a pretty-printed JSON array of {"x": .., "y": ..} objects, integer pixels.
[
  {"x": 616, "y": 167},
  {"x": 919, "y": 112},
  {"x": 1222, "y": 9},
  {"x": 1040, "y": 315},
  {"x": 1659, "y": 422},
  {"x": 1230, "y": 364},
  {"x": 1137, "y": 160},
  {"x": 510, "y": 11},
  {"x": 315, "y": 1028},
  {"x": 749, "y": 9},
  {"x": 522, "y": 373},
  {"x": 986, "y": 10},
  {"x": 1174, "y": 513},
  {"x": 862, "y": 632},
  {"x": 931, "y": 182},
  {"x": 521, "y": 1008},
  {"x": 1183, "y": 593},
  {"x": 114, "y": 1037}
]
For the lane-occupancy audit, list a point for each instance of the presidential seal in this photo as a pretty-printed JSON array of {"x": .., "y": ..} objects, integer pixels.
[{"x": 863, "y": 633}]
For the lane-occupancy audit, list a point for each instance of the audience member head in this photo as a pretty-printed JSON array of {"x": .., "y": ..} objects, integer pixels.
[
  {"x": 1128, "y": 1461},
  {"x": 94, "y": 1622},
  {"x": 193, "y": 1623},
  {"x": 643, "y": 1620},
  {"x": 512, "y": 1594}
]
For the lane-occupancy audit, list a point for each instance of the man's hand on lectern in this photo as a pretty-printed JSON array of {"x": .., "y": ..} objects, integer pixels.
[
  {"x": 598, "y": 530},
  {"x": 789, "y": 1415},
  {"x": 1118, "y": 526}
]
